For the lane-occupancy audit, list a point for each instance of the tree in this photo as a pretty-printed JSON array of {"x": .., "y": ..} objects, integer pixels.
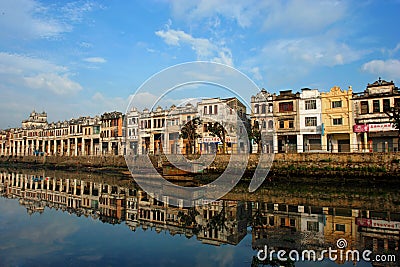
[
  {"x": 217, "y": 130},
  {"x": 394, "y": 117},
  {"x": 189, "y": 132},
  {"x": 255, "y": 134}
]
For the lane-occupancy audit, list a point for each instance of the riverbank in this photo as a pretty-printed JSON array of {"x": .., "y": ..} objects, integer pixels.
[{"x": 355, "y": 166}]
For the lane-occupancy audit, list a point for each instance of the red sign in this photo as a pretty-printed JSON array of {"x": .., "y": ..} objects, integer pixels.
[
  {"x": 360, "y": 128},
  {"x": 378, "y": 223},
  {"x": 364, "y": 222},
  {"x": 381, "y": 127}
]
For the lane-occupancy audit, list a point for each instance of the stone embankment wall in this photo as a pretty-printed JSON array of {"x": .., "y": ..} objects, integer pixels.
[{"x": 301, "y": 164}]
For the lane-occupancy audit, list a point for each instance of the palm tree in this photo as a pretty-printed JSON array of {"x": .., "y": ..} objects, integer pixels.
[
  {"x": 255, "y": 134},
  {"x": 217, "y": 130},
  {"x": 394, "y": 117},
  {"x": 189, "y": 132}
]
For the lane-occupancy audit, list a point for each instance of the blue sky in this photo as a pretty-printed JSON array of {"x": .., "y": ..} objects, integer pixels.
[{"x": 73, "y": 58}]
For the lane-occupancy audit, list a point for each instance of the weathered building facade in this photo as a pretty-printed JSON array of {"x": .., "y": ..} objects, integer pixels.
[{"x": 372, "y": 126}]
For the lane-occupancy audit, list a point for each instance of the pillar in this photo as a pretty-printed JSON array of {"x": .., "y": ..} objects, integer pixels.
[
  {"x": 13, "y": 148},
  {"x": 299, "y": 143},
  {"x": 60, "y": 189},
  {"x": 62, "y": 147},
  {"x": 23, "y": 147},
  {"x": 83, "y": 146},
  {"x": 109, "y": 147},
  {"x": 55, "y": 147},
  {"x": 76, "y": 147},
  {"x": 67, "y": 190},
  {"x": 275, "y": 142},
  {"x": 2, "y": 149},
  {"x": 68, "y": 147},
  {"x": 91, "y": 146},
  {"x": 74, "y": 192},
  {"x": 18, "y": 147}
]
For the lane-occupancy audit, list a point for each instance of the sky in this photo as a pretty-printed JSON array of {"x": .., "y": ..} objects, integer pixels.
[{"x": 84, "y": 58}]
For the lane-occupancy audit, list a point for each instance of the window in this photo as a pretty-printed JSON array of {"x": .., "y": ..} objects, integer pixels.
[
  {"x": 340, "y": 227},
  {"x": 292, "y": 222},
  {"x": 376, "y": 107},
  {"x": 386, "y": 105},
  {"x": 264, "y": 124},
  {"x": 397, "y": 102},
  {"x": 205, "y": 109},
  {"x": 364, "y": 107},
  {"x": 311, "y": 121},
  {"x": 215, "y": 109},
  {"x": 285, "y": 106},
  {"x": 210, "y": 109},
  {"x": 337, "y": 104},
  {"x": 338, "y": 121},
  {"x": 270, "y": 124},
  {"x": 281, "y": 124},
  {"x": 283, "y": 222},
  {"x": 270, "y": 108},
  {"x": 255, "y": 108},
  {"x": 311, "y": 104},
  {"x": 312, "y": 226},
  {"x": 263, "y": 109},
  {"x": 291, "y": 124}
]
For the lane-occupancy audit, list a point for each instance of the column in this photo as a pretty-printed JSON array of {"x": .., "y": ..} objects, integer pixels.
[
  {"x": 60, "y": 189},
  {"x": 74, "y": 187},
  {"x": 18, "y": 147},
  {"x": 44, "y": 146},
  {"x": 62, "y": 147},
  {"x": 83, "y": 146},
  {"x": 68, "y": 147},
  {"x": 365, "y": 142},
  {"x": 54, "y": 184},
  {"x": 23, "y": 147},
  {"x": 2, "y": 149},
  {"x": 27, "y": 147},
  {"x": 299, "y": 143},
  {"x": 48, "y": 147},
  {"x": 109, "y": 147},
  {"x": 55, "y": 147},
  {"x": 67, "y": 190},
  {"x": 100, "y": 147},
  {"x": 37, "y": 144},
  {"x": 275, "y": 142},
  {"x": 76, "y": 147},
  {"x": 13, "y": 148},
  {"x": 91, "y": 146}
]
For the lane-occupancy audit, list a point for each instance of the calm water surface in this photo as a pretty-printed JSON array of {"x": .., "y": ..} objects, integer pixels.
[{"x": 70, "y": 219}]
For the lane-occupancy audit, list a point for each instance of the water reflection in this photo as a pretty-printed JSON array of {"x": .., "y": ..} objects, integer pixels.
[{"x": 280, "y": 220}]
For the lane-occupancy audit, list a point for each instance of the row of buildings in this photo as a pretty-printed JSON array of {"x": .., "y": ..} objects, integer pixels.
[
  {"x": 280, "y": 225},
  {"x": 310, "y": 120}
]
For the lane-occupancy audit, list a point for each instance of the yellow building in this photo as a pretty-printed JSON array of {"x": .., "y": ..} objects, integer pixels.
[{"x": 337, "y": 120}]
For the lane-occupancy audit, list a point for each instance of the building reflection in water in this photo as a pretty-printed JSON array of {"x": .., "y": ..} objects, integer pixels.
[{"x": 279, "y": 225}]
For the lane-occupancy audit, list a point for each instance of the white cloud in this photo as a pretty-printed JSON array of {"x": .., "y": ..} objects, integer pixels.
[
  {"x": 243, "y": 12},
  {"x": 385, "y": 68},
  {"x": 58, "y": 84},
  {"x": 31, "y": 19},
  {"x": 27, "y": 19},
  {"x": 95, "y": 60},
  {"x": 21, "y": 71},
  {"x": 204, "y": 48},
  {"x": 313, "y": 51},
  {"x": 306, "y": 16}
]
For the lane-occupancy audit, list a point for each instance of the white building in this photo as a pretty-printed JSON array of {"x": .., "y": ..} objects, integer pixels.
[
  {"x": 231, "y": 114},
  {"x": 310, "y": 120},
  {"x": 263, "y": 112}
]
